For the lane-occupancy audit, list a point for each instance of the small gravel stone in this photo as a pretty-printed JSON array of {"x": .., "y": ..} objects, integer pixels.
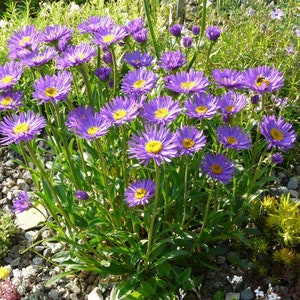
[
  {"x": 53, "y": 294},
  {"x": 247, "y": 294},
  {"x": 232, "y": 296},
  {"x": 293, "y": 183}
]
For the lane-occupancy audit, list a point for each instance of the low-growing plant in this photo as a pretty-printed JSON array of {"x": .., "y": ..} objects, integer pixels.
[{"x": 156, "y": 154}]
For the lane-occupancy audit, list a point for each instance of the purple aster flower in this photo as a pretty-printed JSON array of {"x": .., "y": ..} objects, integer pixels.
[
  {"x": 38, "y": 58},
  {"x": 154, "y": 143},
  {"x": 218, "y": 167},
  {"x": 233, "y": 137},
  {"x": 135, "y": 25},
  {"x": 290, "y": 50},
  {"x": 195, "y": 30},
  {"x": 90, "y": 125},
  {"x": 277, "y": 14},
  {"x": 176, "y": 30},
  {"x": 23, "y": 127},
  {"x": 229, "y": 78},
  {"x": 138, "y": 82},
  {"x": 10, "y": 100},
  {"x": 23, "y": 42},
  {"x": 120, "y": 110},
  {"x": 161, "y": 110},
  {"x": 139, "y": 192},
  {"x": 10, "y": 74},
  {"x": 78, "y": 115},
  {"x": 277, "y": 133},
  {"x": 263, "y": 79},
  {"x": 203, "y": 106},
  {"x": 297, "y": 31},
  {"x": 56, "y": 35},
  {"x": 21, "y": 202},
  {"x": 93, "y": 24},
  {"x": 103, "y": 73},
  {"x": 189, "y": 140},
  {"x": 81, "y": 195},
  {"x": 277, "y": 158},
  {"x": 75, "y": 55},
  {"x": 187, "y": 42},
  {"x": 141, "y": 36},
  {"x": 138, "y": 59},
  {"x": 106, "y": 36},
  {"x": 213, "y": 33},
  {"x": 187, "y": 82},
  {"x": 52, "y": 88},
  {"x": 231, "y": 103},
  {"x": 172, "y": 60}
]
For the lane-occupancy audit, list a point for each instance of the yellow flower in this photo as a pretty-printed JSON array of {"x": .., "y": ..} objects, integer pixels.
[{"x": 4, "y": 272}]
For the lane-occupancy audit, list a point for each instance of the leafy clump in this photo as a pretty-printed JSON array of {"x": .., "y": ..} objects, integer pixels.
[{"x": 7, "y": 231}]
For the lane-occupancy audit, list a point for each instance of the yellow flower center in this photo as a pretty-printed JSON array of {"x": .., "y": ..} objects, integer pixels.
[
  {"x": 201, "y": 109},
  {"x": 50, "y": 92},
  {"x": 81, "y": 56},
  {"x": 24, "y": 40},
  {"x": 153, "y": 147},
  {"x": 216, "y": 169},
  {"x": 119, "y": 114},
  {"x": 161, "y": 113},
  {"x": 7, "y": 79},
  {"x": 108, "y": 38},
  {"x": 260, "y": 80},
  {"x": 139, "y": 84},
  {"x": 276, "y": 134},
  {"x": 229, "y": 108},
  {"x": 188, "y": 143},
  {"x": 7, "y": 101},
  {"x": 140, "y": 193},
  {"x": 21, "y": 128},
  {"x": 231, "y": 140},
  {"x": 188, "y": 85},
  {"x": 92, "y": 130}
]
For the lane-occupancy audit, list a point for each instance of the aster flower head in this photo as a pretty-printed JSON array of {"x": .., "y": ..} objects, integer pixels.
[
  {"x": 176, "y": 30},
  {"x": 139, "y": 192},
  {"x": 10, "y": 100},
  {"x": 263, "y": 79},
  {"x": 138, "y": 82},
  {"x": 233, "y": 137},
  {"x": 172, "y": 60},
  {"x": 277, "y": 158},
  {"x": 21, "y": 202},
  {"x": 187, "y": 82},
  {"x": 213, "y": 33},
  {"x": 107, "y": 36},
  {"x": 202, "y": 106},
  {"x": 22, "y": 127},
  {"x": 231, "y": 103},
  {"x": 81, "y": 195},
  {"x": 94, "y": 23},
  {"x": 56, "y": 35},
  {"x": 297, "y": 31},
  {"x": 138, "y": 59},
  {"x": 75, "y": 55},
  {"x": 10, "y": 73},
  {"x": 107, "y": 57},
  {"x": 277, "y": 14},
  {"x": 23, "y": 41},
  {"x": 89, "y": 126},
  {"x": 278, "y": 133},
  {"x": 103, "y": 73},
  {"x": 161, "y": 110},
  {"x": 135, "y": 25},
  {"x": 120, "y": 110},
  {"x": 141, "y": 36},
  {"x": 153, "y": 143},
  {"x": 38, "y": 58},
  {"x": 187, "y": 42},
  {"x": 189, "y": 140},
  {"x": 218, "y": 167},
  {"x": 52, "y": 88},
  {"x": 229, "y": 78},
  {"x": 196, "y": 30}
]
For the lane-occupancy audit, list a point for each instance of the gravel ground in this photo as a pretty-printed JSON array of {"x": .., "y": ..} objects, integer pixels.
[{"x": 31, "y": 269}]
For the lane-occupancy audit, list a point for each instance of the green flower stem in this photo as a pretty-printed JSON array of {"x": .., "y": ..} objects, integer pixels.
[
  {"x": 124, "y": 154},
  {"x": 98, "y": 57},
  {"x": 205, "y": 217},
  {"x": 203, "y": 18},
  {"x": 114, "y": 58},
  {"x": 83, "y": 70},
  {"x": 208, "y": 55},
  {"x": 154, "y": 215},
  {"x": 185, "y": 190},
  {"x": 151, "y": 29}
]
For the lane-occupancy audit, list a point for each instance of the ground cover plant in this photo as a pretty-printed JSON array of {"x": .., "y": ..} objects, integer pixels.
[{"x": 162, "y": 136}]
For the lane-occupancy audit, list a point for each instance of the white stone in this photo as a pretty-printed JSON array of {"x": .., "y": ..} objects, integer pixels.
[
  {"x": 95, "y": 294},
  {"x": 232, "y": 296}
]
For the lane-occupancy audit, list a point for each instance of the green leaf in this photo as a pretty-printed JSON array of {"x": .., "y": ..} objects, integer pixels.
[{"x": 172, "y": 255}]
